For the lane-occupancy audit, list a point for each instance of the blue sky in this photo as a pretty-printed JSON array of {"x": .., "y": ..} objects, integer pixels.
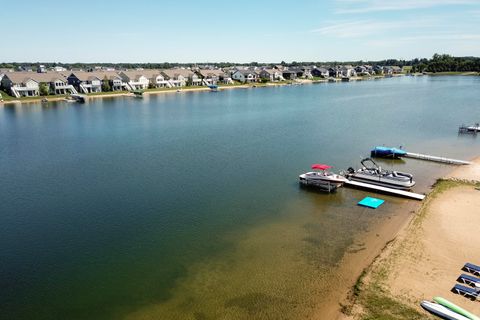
[{"x": 240, "y": 31}]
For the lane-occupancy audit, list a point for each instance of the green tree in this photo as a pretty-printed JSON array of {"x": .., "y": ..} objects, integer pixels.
[
  {"x": 43, "y": 89},
  {"x": 106, "y": 85}
]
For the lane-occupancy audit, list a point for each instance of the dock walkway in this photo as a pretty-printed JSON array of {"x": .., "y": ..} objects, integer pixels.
[
  {"x": 402, "y": 193},
  {"x": 435, "y": 158}
]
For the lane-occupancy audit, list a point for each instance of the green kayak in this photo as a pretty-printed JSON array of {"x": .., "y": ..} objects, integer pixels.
[{"x": 454, "y": 307}]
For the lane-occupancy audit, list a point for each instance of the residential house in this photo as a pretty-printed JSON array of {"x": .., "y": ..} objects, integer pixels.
[
  {"x": 334, "y": 72},
  {"x": 289, "y": 74},
  {"x": 299, "y": 73},
  {"x": 245, "y": 76},
  {"x": 271, "y": 75},
  {"x": 136, "y": 79},
  {"x": 320, "y": 72},
  {"x": 362, "y": 71},
  {"x": 174, "y": 78},
  {"x": 157, "y": 79},
  {"x": 27, "y": 84},
  {"x": 378, "y": 69},
  {"x": 347, "y": 71},
  {"x": 396, "y": 69},
  {"x": 86, "y": 82},
  {"x": 307, "y": 71},
  {"x": 114, "y": 80},
  {"x": 387, "y": 71},
  {"x": 213, "y": 76}
]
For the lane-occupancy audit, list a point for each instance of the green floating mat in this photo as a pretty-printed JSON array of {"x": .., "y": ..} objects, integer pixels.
[{"x": 371, "y": 202}]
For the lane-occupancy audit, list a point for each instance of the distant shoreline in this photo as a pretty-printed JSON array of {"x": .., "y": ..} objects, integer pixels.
[
  {"x": 54, "y": 98},
  {"x": 38, "y": 99}
]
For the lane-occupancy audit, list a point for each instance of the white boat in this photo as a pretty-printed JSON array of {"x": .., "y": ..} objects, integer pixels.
[
  {"x": 322, "y": 177},
  {"x": 441, "y": 311},
  {"x": 374, "y": 174}
]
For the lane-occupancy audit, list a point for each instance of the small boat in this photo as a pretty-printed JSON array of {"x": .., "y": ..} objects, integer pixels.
[
  {"x": 44, "y": 100},
  {"x": 78, "y": 98},
  {"x": 387, "y": 152},
  {"x": 138, "y": 93},
  {"x": 213, "y": 87},
  {"x": 469, "y": 129},
  {"x": 442, "y": 311},
  {"x": 374, "y": 174},
  {"x": 322, "y": 178}
]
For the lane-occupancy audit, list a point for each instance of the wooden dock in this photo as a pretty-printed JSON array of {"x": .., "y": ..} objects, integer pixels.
[
  {"x": 435, "y": 158},
  {"x": 402, "y": 193}
]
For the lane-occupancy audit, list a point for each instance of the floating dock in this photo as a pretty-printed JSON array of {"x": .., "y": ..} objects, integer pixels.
[
  {"x": 403, "y": 193},
  {"x": 435, "y": 158}
]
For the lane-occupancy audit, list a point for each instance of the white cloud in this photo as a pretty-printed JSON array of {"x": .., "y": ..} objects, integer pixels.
[
  {"x": 365, "y": 6},
  {"x": 366, "y": 28}
]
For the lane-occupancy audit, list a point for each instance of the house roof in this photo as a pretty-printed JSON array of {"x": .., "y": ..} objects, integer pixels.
[
  {"x": 88, "y": 76},
  {"x": 134, "y": 74},
  {"x": 211, "y": 72},
  {"x": 247, "y": 72},
  {"x": 22, "y": 77}
]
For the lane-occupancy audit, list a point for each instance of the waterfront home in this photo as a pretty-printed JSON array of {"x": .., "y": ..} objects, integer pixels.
[
  {"x": 245, "y": 76},
  {"x": 347, "y": 71},
  {"x": 27, "y": 84},
  {"x": 307, "y": 72},
  {"x": 334, "y": 72},
  {"x": 271, "y": 75},
  {"x": 213, "y": 76},
  {"x": 86, "y": 82},
  {"x": 157, "y": 79},
  {"x": 388, "y": 71},
  {"x": 361, "y": 71},
  {"x": 378, "y": 69},
  {"x": 174, "y": 78},
  {"x": 114, "y": 80},
  {"x": 289, "y": 74},
  {"x": 299, "y": 73},
  {"x": 320, "y": 72},
  {"x": 135, "y": 79},
  {"x": 396, "y": 69}
]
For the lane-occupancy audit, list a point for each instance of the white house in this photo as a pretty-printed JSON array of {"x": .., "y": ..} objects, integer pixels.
[
  {"x": 157, "y": 78},
  {"x": 86, "y": 82},
  {"x": 27, "y": 84},
  {"x": 271, "y": 74},
  {"x": 245, "y": 76},
  {"x": 136, "y": 79},
  {"x": 174, "y": 78},
  {"x": 214, "y": 76}
]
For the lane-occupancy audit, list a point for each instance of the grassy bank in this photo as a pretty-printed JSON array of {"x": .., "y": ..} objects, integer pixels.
[{"x": 371, "y": 297}]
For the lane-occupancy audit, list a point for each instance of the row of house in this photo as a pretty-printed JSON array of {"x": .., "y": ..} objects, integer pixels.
[
  {"x": 25, "y": 84},
  {"x": 61, "y": 81}
]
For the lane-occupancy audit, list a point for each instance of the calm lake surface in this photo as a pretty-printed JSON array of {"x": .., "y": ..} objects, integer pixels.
[{"x": 187, "y": 205}]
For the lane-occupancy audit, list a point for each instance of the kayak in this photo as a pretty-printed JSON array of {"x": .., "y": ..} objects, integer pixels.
[
  {"x": 442, "y": 311},
  {"x": 454, "y": 307}
]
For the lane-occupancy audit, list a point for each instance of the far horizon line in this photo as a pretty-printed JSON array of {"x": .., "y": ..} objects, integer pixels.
[{"x": 232, "y": 63}]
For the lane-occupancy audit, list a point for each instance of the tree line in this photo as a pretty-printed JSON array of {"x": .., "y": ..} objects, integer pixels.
[{"x": 438, "y": 63}]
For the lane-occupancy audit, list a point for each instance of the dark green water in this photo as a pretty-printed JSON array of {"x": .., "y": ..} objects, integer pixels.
[{"x": 186, "y": 206}]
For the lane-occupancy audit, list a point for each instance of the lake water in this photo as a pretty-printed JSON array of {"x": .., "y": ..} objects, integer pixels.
[{"x": 187, "y": 205}]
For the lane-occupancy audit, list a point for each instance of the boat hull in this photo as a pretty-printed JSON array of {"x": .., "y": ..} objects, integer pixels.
[
  {"x": 442, "y": 311},
  {"x": 381, "y": 181}
]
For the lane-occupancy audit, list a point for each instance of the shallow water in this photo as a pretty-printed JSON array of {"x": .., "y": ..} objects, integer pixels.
[{"x": 186, "y": 206}]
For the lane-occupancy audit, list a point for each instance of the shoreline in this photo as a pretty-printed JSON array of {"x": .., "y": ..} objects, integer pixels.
[
  {"x": 414, "y": 265},
  {"x": 157, "y": 91}
]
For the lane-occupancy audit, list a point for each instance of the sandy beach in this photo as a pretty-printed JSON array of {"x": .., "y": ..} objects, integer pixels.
[{"x": 426, "y": 258}]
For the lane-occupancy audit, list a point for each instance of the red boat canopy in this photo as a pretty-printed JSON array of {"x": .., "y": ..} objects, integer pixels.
[{"x": 321, "y": 166}]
